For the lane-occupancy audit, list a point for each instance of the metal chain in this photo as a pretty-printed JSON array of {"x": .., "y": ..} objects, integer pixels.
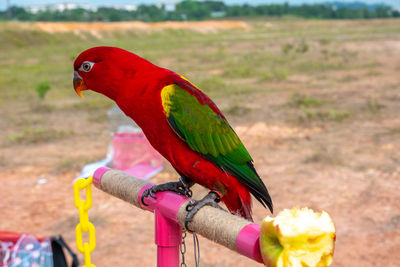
[
  {"x": 196, "y": 249},
  {"x": 182, "y": 248},
  {"x": 188, "y": 193}
]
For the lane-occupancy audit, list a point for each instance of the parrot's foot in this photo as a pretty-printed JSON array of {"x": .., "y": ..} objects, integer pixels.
[
  {"x": 211, "y": 199},
  {"x": 181, "y": 187}
]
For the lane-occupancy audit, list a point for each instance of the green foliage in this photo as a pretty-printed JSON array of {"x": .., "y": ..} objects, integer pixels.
[
  {"x": 303, "y": 101},
  {"x": 302, "y": 48},
  {"x": 312, "y": 110},
  {"x": 338, "y": 115},
  {"x": 42, "y": 89},
  {"x": 274, "y": 75},
  {"x": 324, "y": 41},
  {"x": 239, "y": 71},
  {"x": 299, "y": 48},
  {"x": 41, "y": 107},
  {"x": 2, "y": 161},
  {"x": 212, "y": 84},
  {"x": 192, "y": 10},
  {"x": 93, "y": 104},
  {"x": 38, "y": 135},
  {"x": 286, "y": 48},
  {"x": 199, "y": 10},
  {"x": 373, "y": 106},
  {"x": 349, "y": 78},
  {"x": 323, "y": 115},
  {"x": 73, "y": 164},
  {"x": 236, "y": 110}
]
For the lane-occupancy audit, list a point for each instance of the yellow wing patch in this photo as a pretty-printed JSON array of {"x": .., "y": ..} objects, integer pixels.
[{"x": 166, "y": 101}]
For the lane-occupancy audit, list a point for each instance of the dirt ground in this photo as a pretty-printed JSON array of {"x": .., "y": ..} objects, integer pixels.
[
  {"x": 203, "y": 26},
  {"x": 347, "y": 165}
]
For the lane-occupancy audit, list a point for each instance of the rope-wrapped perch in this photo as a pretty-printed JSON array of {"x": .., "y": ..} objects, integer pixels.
[{"x": 222, "y": 227}]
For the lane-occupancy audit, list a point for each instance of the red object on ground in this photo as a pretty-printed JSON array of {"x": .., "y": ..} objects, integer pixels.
[
  {"x": 20, "y": 249},
  {"x": 6, "y": 236}
]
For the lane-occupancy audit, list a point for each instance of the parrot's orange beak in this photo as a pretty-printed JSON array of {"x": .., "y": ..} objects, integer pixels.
[{"x": 79, "y": 84}]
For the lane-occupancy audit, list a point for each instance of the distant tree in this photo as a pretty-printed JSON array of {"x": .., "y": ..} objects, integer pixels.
[
  {"x": 234, "y": 11},
  {"x": 18, "y": 13},
  {"x": 192, "y": 10},
  {"x": 383, "y": 11},
  {"x": 151, "y": 13},
  {"x": 215, "y": 6},
  {"x": 199, "y": 10}
]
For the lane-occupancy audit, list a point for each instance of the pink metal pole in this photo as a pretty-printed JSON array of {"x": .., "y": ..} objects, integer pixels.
[
  {"x": 168, "y": 233},
  {"x": 248, "y": 243},
  {"x": 168, "y": 236}
]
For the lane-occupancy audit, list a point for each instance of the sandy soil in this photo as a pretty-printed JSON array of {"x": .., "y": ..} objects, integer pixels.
[{"x": 98, "y": 27}]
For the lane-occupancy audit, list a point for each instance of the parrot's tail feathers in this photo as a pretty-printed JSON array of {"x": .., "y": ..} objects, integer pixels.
[
  {"x": 245, "y": 210},
  {"x": 238, "y": 202}
]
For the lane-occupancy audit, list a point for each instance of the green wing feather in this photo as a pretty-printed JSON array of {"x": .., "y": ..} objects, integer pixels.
[{"x": 209, "y": 134}]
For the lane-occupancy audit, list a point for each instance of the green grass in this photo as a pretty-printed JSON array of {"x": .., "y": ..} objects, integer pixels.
[
  {"x": 373, "y": 106},
  {"x": 2, "y": 161},
  {"x": 314, "y": 109},
  {"x": 98, "y": 117},
  {"x": 92, "y": 102},
  {"x": 389, "y": 132},
  {"x": 37, "y": 135},
  {"x": 236, "y": 110},
  {"x": 274, "y": 75},
  {"x": 303, "y": 101},
  {"x": 225, "y": 64},
  {"x": 41, "y": 107},
  {"x": 373, "y": 72},
  {"x": 307, "y": 115},
  {"x": 212, "y": 83},
  {"x": 323, "y": 156},
  {"x": 42, "y": 89},
  {"x": 349, "y": 78},
  {"x": 332, "y": 114},
  {"x": 337, "y": 115},
  {"x": 73, "y": 164},
  {"x": 28, "y": 57}
]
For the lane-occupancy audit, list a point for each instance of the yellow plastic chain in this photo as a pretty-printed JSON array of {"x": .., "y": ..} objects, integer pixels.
[{"x": 84, "y": 225}]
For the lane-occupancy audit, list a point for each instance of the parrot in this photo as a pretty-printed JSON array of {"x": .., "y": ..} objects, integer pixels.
[{"x": 182, "y": 123}]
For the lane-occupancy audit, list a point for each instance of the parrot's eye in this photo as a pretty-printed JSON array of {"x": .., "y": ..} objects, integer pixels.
[{"x": 86, "y": 66}]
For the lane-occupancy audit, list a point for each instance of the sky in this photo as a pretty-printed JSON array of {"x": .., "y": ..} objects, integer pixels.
[{"x": 3, "y": 3}]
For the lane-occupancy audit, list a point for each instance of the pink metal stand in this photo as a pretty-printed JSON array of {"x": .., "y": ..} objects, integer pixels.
[
  {"x": 168, "y": 233},
  {"x": 168, "y": 238}
]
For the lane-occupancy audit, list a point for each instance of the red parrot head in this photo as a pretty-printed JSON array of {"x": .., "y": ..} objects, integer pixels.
[{"x": 103, "y": 69}]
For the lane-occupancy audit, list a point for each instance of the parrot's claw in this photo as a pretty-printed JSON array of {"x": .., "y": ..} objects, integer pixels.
[
  {"x": 182, "y": 187},
  {"x": 211, "y": 199},
  {"x": 146, "y": 193}
]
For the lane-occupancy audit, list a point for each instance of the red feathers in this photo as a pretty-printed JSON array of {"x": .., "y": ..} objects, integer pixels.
[{"x": 136, "y": 84}]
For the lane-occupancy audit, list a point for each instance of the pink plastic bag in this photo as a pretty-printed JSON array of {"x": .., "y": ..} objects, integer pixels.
[{"x": 133, "y": 154}]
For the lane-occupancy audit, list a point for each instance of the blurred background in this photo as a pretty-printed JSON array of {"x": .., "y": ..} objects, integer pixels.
[{"x": 311, "y": 87}]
